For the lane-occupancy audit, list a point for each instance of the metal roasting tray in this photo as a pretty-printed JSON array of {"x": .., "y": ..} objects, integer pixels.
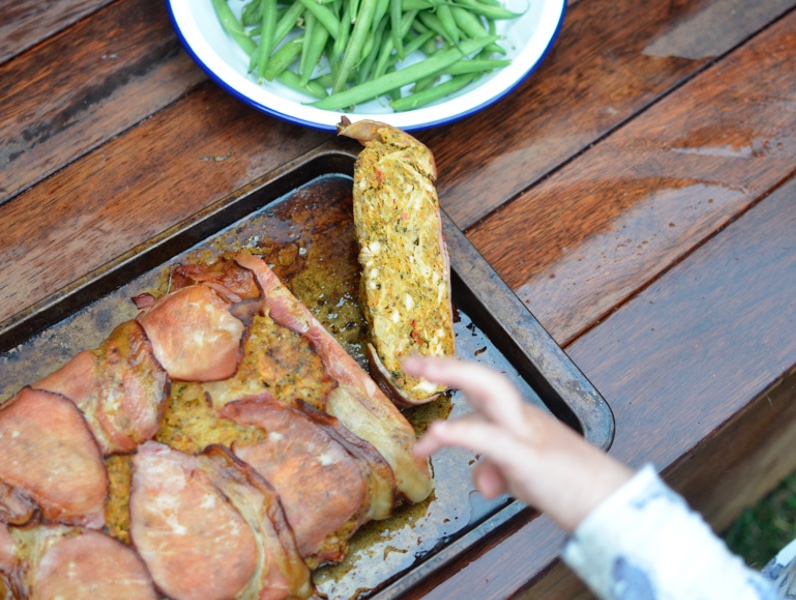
[{"x": 299, "y": 216}]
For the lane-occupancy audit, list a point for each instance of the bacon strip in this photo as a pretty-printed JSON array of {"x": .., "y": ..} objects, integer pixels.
[
  {"x": 323, "y": 474},
  {"x": 15, "y": 507},
  {"x": 357, "y": 401},
  {"x": 120, "y": 387},
  {"x": 193, "y": 334},
  {"x": 50, "y": 456},
  {"x": 209, "y": 527},
  {"x": 74, "y": 563}
]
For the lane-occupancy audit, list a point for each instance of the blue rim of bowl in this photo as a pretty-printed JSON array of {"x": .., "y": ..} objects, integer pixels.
[{"x": 323, "y": 126}]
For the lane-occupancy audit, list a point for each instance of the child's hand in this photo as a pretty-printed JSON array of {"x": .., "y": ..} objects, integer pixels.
[{"x": 526, "y": 453}]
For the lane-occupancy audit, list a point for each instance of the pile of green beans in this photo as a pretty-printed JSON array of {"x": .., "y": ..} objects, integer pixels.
[{"x": 366, "y": 44}]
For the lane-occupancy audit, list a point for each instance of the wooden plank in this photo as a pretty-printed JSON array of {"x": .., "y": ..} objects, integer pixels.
[
  {"x": 159, "y": 173},
  {"x": 86, "y": 85},
  {"x": 628, "y": 209},
  {"x": 719, "y": 479},
  {"x": 715, "y": 330},
  {"x": 611, "y": 61},
  {"x": 675, "y": 364},
  {"x": 745, "y": 460},
  {"x": 26, "y": 22}
]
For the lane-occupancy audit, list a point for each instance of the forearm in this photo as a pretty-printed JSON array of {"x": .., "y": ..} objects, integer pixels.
[{"x": 644, "y": 542}]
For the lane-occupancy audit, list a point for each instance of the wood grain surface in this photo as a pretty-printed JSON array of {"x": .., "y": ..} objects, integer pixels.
[
  {"x": 613, "y": 60},
  {"x": 625, "y": 211},
  {"x": 135, "y": 186},
  {"x": 26, "y": 22},
  {"x": 701, "y": 343},
  {"x": 129, "y": 65}
]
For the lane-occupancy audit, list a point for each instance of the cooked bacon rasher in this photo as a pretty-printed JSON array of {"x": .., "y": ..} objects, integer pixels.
[
  {"x": 54, "y": 561},
  {"x": 209, "y": 527},
  {"x": 50, "y": 461},
  {"x": 119, "y": 387},
  {"x": 218, "y": 502}
]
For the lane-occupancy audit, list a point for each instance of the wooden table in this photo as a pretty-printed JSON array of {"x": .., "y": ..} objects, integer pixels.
[{"x": 637, "y": 192}]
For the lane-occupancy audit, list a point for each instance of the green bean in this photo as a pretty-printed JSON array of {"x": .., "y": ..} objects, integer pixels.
[
  {"x": 394, "y": 93},
  {"x": 382, "y": 61},
  {"x": 407, "y": 5},
  {"x": 412, "y": 45},
  {"x": 425, "y": 83},
  {"x": 366, "y": 68},
  {"x": 430, "y": 46},
  {"x": 283, "y": 57},
  {"x": 381, "y": 9},
  {"x": 326, "y": 80},
  {"x": 354, "y": 10},
  {"x": 353, "y": 52},
  {"x": 233, "y": 27},
  {"x": 467, "y": 21},
  {"x": 448, "y": 24},
  {"x": 420, "y": 41},
  {"x": 388, "y": 44},
  {"x": 280, "y": 12},
  {"x": 267, "y": 35},
  {"x": 324, "y": 15},
  {"x": 407, "y": 20},
  {"x": 418, "y": 26},
  {"x": 345, "y": 32},
  {"x": 489, "y": 11},
  {"x": 395, "y": 27},
  {"x": 435, "y": 93},
  {"x": 287, "y": 22},
  {"x": 433, "y": 22},
  {"x": 252, "y": 14},
  {"x": 290, "y": 79},
  {"x": 316, "y": 49},
  {"x": 305, "y": 66},
  {"x": 475, "y": 65},
  {"x": 367, "y": 47},
  {"x": 470, "y": 24},
  {"x": 376, "y": 87}
]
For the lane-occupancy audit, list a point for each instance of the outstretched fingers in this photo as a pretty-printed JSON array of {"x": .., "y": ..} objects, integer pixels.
[
  {"x": 489, "y": 479},
  {"x": 487, "y": 391},
  {"x": 491, "y": 441}
]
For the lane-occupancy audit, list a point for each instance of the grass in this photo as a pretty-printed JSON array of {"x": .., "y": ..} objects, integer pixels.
[{"x": 765, "y": 528}]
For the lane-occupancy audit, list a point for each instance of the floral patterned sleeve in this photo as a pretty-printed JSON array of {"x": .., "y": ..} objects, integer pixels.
[{"x": 645, "y": 543}]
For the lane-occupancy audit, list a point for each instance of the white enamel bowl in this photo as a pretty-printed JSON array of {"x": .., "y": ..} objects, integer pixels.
[{"x": 527, "y": 40}]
